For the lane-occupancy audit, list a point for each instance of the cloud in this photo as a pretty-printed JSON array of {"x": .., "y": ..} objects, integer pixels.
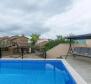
[
  {"x": 47, "y": 17},
  {"x": 29, "y": 16},
  {"x": 77, "y": 20},
  {"x": 44, "y": 6}
]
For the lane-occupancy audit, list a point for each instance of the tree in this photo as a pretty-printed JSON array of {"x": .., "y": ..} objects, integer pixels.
[
  {"x": 34, "y": 39},
  {"x": 57, "y": 41}
]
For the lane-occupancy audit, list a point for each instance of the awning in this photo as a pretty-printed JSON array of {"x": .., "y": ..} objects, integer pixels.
[{"x": 79, "y": 37}]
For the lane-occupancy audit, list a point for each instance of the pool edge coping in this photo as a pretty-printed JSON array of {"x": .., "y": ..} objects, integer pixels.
[{"x": 74, "y": 74}]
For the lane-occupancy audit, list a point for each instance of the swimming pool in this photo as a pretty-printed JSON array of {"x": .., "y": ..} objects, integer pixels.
[{"x": 34, "y": 72}]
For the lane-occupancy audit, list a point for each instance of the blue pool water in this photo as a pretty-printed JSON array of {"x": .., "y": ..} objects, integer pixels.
[{"x": 34, "y": 72}]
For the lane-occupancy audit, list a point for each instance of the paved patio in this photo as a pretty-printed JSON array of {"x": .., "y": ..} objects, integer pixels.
[
  {"x": 82, "y": 65},
  {"x": 32, "y": 56}
]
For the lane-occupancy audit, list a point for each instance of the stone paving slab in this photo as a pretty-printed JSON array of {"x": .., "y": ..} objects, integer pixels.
[
  {"x": 82, "y": 65},
  {"x": 33, "y": 56}
]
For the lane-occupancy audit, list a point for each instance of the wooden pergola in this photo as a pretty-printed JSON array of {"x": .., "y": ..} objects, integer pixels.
[
  {"x": 76, "y": 37},
  {"x": 22, "y": 46}
]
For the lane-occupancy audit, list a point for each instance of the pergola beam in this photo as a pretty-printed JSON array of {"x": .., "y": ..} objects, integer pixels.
[{"x": 77, "y": 37}]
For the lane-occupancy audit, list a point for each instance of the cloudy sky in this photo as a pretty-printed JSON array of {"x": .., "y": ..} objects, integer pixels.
[{"x": 47, "y": 17}]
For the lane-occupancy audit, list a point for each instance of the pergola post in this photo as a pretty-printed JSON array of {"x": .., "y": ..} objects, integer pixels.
[
  {"x": 45, "y": 54},
  {"x": 70, "y": 48},
  {"x": 0, "y": 52},
  {"x": 22, "y": 52}
]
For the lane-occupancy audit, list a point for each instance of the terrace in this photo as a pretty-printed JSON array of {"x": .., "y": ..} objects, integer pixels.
[{"x": 81, "y": 65}]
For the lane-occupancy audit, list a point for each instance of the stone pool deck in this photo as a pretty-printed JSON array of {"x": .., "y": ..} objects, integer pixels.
[
  {"x": 82, "y": 65},
  {"x": 30, "y": 56}
]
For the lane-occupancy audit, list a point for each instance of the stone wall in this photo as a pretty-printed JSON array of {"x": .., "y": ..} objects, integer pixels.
[
  {"x": 61, "y": 50},
  {"x": 57, "y": 51}
]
